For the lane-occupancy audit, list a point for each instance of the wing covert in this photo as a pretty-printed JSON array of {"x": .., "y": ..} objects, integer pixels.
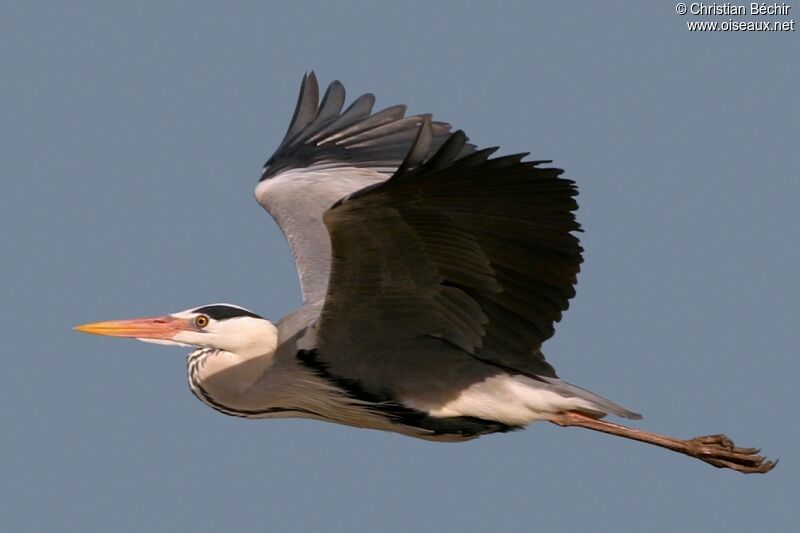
[{"x": 326, "y": 154}]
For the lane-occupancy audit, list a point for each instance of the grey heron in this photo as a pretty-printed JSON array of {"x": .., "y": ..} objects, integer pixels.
[{"x": 431, "y": 274}]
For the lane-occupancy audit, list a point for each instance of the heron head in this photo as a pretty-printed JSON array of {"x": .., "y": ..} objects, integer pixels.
[{"x": 222, "y": 326}]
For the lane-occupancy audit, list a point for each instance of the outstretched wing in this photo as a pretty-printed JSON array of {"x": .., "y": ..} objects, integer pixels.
[
  {"x": 326, "y": 154},
  {"x": 476, "y": 253}
]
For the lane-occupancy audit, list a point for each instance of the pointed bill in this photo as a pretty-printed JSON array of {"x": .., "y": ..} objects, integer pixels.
[{"x": 164, "y": 327}]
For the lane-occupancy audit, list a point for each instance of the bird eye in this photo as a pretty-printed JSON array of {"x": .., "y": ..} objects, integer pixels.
[{"x": 201, "y": 321}]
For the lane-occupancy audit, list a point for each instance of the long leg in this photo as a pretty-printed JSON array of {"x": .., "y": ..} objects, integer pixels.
[{"x": 717, "y": 450}]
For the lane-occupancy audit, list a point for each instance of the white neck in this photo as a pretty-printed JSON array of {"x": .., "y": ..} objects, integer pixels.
[{"x": 227, "y": 376}]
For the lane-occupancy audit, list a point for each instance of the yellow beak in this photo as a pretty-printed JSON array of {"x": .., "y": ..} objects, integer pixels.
[{"x": 163, "y": 327}]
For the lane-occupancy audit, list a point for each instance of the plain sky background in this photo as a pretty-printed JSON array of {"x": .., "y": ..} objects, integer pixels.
[{"x": 131, "y": 137}]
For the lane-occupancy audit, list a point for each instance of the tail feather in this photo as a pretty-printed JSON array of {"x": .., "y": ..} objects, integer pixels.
[{"x": 604, "y": 406}]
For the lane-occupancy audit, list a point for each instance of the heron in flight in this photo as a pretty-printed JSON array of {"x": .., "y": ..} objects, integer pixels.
[{"x": 431, "y": 273}]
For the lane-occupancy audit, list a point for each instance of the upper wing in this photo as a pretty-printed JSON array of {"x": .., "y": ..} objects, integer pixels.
[
  {"x": 326, "y": 154},
  {"x": 475, "y": 252}
]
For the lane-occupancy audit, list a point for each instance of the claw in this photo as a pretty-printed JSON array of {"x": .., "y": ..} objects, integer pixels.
[
  {"x": 716, "y": 450},
  {"x": 719, "y": 451}
]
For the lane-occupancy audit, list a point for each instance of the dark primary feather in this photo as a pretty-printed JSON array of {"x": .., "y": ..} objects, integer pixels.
[
  {"x": 474, "y": 252},
  {"x": 321, "y": 134},
  {"x": 328, "y": 153}
]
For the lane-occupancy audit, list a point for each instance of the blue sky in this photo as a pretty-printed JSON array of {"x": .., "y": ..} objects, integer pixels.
[{"x": 133, "y": 136}]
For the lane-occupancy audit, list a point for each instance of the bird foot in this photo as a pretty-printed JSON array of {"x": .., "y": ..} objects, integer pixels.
[{"x": 719, "y": 451}]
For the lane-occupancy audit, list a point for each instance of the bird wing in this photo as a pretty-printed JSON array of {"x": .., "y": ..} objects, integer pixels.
[
  {"x": 474, "y": 254},
  {"x": 326, "y": 154}
]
